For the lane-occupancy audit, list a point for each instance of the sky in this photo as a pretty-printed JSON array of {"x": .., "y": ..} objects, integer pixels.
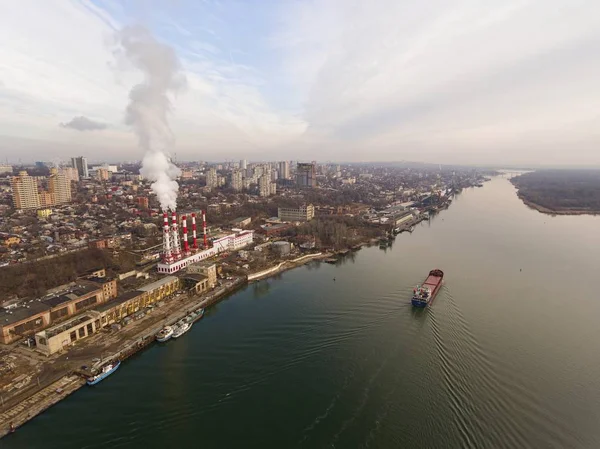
[{"x": 442, "y": 81}]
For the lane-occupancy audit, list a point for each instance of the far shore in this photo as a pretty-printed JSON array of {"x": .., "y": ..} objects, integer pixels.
[{"x": 545, "y": 210}]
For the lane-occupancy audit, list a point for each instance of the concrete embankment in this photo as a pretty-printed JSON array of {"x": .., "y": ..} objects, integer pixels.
[
  {"x": 285, "y": 266},
  {"x": 37, "y": 403}
]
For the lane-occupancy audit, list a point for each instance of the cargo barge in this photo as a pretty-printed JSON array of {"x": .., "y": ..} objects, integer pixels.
[{"x": 424, "y": 294}]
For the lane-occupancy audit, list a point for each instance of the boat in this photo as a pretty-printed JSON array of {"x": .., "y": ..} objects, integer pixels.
[
  {"x": 424, "y": 294},
  {"x": 106, "y": 371},
  {"x": 194, "y": 316},
  {"x": 181, "y": 328},
  {"x": 164, "y": 334}
]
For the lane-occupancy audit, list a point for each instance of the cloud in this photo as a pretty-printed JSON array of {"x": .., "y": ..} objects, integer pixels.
[
  {"x": 82, "y": 123},
  {"x": 465, "y": 81}
]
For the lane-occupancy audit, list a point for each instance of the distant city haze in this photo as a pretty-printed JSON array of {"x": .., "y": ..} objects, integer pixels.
[{"x": 455, "y": 82}]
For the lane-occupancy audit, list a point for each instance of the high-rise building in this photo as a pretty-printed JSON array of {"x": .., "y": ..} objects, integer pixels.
[
  {"x": 306, "y": 175},
  {"x": 25, "y": 191},
  {"x": 243, "y": 164},
  {"x": 211, "y": 178},
  {"x": 102, "y": 174},
  {"x": 284, "y": 170},
  {"x": 59, "y": 187},
  {"x": 237, "y": 181},
  {"x": 273, "y": 188},
  {"x": 264, "y": 186},
  {"x": 80, "y": 163},
  {"x": 71, "y": 173}
]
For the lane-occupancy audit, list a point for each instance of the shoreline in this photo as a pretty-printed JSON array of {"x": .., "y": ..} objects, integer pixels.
[
  {"x": 544, "y": 210},
  {"x": 285, "y": 266}
]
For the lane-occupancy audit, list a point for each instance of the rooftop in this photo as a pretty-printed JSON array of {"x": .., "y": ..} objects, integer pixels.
[
  {"x": 67, "y": 325},
  {"x": 158, "y": 284},
  {"x": 20, "y": 313},
  {"x": 124, "y": 297},
  {"x": 81, "y": 288},
  {"x": 196, "y": 277}
]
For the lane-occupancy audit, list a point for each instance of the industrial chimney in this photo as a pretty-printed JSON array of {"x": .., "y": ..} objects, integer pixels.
[
  {"x": 204, "y": 229},
  {"x": 194, "y": 243},
  {"x": 186, "y": 247},
  {"x": 175, "y": 237},
  {"x": 167, "y": 255}
]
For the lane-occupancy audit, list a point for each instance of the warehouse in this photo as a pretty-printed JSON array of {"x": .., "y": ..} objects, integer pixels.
[{"x": 59, "y": 337}]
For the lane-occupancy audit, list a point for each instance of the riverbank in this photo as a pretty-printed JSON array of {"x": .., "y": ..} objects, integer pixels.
[
  {"x": 545, "y": 210},
  {"x": 286, "y": 265}
]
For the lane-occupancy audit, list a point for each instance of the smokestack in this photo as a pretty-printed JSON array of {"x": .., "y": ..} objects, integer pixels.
[
  {"x": 167, "y": 255},
  {"x": 175, "y": 237},
  {"x": 195, "y": 242},
  {"x": 186, "y": 247},
  {"x": 149, "y": 106},
  {"x": 204, "y": 228}
]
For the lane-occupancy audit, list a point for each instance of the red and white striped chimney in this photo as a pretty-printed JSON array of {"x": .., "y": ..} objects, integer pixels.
[
  {"x": 167, "y": 255},
  {"x": 175, "y": 237},
  {"x": 186, "y": 247},
  {"x": 195, "y": 242},
  {"x": 204, "y": 228}
]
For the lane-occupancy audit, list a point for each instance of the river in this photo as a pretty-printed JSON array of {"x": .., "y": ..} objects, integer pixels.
[{"x": 335, "y": 356}]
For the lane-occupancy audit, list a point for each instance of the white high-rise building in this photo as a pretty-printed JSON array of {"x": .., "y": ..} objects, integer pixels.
[
  {"x": 212, "y": 180},
  {"x": 243, "y": 164},
  {"x": 264, "y": 186},
  {"x": 237, "y": 180}
]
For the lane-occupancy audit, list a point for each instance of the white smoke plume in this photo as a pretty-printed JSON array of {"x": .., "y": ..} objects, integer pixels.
[{"x": 149, "y": 106}]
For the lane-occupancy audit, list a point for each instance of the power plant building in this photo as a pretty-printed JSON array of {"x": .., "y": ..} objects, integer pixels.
[{"x": 178, "y": 254}]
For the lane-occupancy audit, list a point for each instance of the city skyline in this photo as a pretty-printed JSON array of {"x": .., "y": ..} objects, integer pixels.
[{"x": 454, "y": 82}]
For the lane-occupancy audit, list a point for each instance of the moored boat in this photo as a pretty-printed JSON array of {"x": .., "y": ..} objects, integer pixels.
[
  {"x": 181, "y": 328},
  {"x": 164, "y": 334},
  {"x": 194, "y": 316},
  {"x": 106, "y": 371},
  {"x": 424, "y": 294}
]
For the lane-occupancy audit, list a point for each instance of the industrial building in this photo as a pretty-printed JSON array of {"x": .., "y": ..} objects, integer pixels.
[
  {"x": 302, "y": 213},
  {"x": 26, "y": 318},
  {"x": 58, "y": 337},
  {"x": 206, "y": 269},
  {"x": 66, "y": 333},
  {"x": 176, "y": 256}
]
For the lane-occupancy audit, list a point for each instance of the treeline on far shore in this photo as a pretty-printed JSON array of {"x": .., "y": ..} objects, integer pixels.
[{"x": 561, "y": 190}]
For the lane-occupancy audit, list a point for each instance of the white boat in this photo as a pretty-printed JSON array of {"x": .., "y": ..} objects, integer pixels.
[
  {"x": 180, "y": 329},
  {"x": 164, "y": 334},
  {"x": 106, "y": 371}
]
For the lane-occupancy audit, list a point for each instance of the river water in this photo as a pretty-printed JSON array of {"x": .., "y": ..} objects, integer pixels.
[{"x": 507, "y": 356}]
